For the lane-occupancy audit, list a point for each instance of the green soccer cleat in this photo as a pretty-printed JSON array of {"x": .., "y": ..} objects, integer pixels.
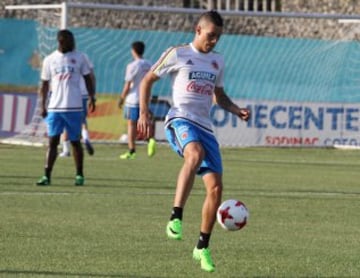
[
  {"x": 43, "y": 181},
  {"x": 79, "y": 180},
  {"x": 127, "y": 155},
  {"x": 151, "y": 148},
  {"x": 174, "y": 229},
  {"x": 204, "y": 256}
]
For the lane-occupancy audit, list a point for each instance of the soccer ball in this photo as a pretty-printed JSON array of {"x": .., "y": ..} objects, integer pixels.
[{"x": 232, "y": 215}]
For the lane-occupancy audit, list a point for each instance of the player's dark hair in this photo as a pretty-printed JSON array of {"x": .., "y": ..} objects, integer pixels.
[
  {"x": 66, "y": 40},
  {"x": 139, "y": 47},
  {"x": 212, "y": 16}
]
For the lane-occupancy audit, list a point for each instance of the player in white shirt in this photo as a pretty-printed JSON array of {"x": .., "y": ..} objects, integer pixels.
[
  {"x": 135, "y": 71},
  {"x": 197, "y": 74},
  {"x": 85, "y": 129},
  {"x": 63, "y": 70}
]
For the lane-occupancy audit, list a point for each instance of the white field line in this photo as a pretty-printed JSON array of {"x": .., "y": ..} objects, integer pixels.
[{"x": 195, "y": 192}]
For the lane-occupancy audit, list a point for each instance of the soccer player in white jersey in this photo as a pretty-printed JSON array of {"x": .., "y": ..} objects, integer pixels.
[
  {"x": 135, "y": 71},
  {"x": 62, "y": 109},
  {"x": 197, "y": 74},
  {"x": 85, "y": 129}
]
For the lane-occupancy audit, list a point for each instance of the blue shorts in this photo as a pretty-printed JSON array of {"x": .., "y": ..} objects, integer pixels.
[
  {"x": 180, "y": 132},
  {"x": 70, "y": 121},
  {"x": 131, "y": 113},
  {"x": 85, "y": 110}
]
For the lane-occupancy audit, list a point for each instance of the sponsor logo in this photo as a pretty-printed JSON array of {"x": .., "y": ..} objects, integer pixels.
[
  {"x": 202, "y": 75},
  {"x": 200, "y": 88},
  {"x": 293, "y": 117},
  {"x": 288, "y": 140},
  {"x": 64, "y": 69}
]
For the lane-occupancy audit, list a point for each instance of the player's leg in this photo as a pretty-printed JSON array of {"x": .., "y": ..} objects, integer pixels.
[
  {"x": 211, "y": 170},
  {"x": 151, "y": 147},
  {"x": 132, "y": 135},
  {"x": 213, "y": 185},
  {"x": 85, "y": 136},
  {"x": 78, "y": 154},
  {"x": 131, "y": 153},
  {"x": 85, "y": 130},
  {"x": 132, "y": 115},
  {"x": 193, "y": 155},
  {"x": 183, "y": 139},
  {"x": 55, "y": 126},
  {"x": 73, "y": 127},
  {"x": 65, "y": 145}
]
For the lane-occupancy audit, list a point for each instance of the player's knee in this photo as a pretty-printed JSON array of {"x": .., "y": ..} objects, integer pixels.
[
  {"x": 76, "y": 144},
  {"x": 194, "y": 154},
  {"x": 217, "y": 190},
  {"x": 214, "y": 190},
  {"x": 54, "y": 142}
]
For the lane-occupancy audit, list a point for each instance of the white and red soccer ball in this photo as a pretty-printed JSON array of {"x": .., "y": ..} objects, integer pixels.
[{"x": 232, "y": 215}]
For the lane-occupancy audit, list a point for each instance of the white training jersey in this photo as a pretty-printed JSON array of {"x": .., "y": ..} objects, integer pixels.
[
  {"x": 83, "y": 88},
  {"x": 64, "y": 71},
  {"x": 135, "y": 72},
  {"x": 194, "y": 76}
]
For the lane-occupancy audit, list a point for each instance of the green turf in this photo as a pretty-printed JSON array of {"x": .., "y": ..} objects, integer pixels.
[{"x": 304, "y": 215}]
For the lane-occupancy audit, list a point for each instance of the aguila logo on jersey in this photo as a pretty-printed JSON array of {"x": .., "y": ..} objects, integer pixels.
[{"x": 202, "y": 75}]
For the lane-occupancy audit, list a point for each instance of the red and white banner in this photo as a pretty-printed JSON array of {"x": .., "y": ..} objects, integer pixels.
[{"x": 15, "y": 112}]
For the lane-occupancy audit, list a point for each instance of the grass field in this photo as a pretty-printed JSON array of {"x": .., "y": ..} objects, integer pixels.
[{"x": 304, "y": 215}]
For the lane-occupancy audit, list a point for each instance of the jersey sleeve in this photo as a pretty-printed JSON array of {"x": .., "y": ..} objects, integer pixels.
[
  {"x": 88, "y": 61},
  {"x": 166, "y": 63},
  {"x": 45, "y": 70},
  {"x": 131, "y": 71},
  {"x": 84, "y": 66}
]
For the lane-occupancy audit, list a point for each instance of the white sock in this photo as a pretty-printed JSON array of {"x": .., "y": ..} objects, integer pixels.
[
  {"x": 85, "y": 134},
  {"x": 66, "y": 146}
]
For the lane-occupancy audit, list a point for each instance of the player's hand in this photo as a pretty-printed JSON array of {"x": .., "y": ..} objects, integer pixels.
[
  {"x": 120, "y": 102},
  {"x": 44, "y": 112},
  {"x": 92, "y": 104},
  {"x": 144, "y": 125},
  {"x": 244, "y": 114}
]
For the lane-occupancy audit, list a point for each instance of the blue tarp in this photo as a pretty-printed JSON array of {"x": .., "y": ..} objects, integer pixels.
[{"x": 261, "y": 68}]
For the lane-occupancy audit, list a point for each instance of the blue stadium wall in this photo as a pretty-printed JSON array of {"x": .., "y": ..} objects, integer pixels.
[
  {"x": 300, "y": 91},
  {"x": 256, "y": 67}
]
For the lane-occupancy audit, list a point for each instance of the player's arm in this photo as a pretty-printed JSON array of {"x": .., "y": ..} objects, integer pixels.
[
  {"x": 44, "y": 89},
  {"x": 93, "y": 79},
  {"x": 144, "y": 122},
  {"x": 226, "y": 103},
  {"x": 90, "y": 86},
  {"x": 124, "y": 93}
]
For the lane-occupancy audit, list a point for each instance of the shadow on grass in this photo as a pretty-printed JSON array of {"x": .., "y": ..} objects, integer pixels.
[
  {"x": 68, "y": 274},
  {"x": 107, "y": 182},
  {"x": 107, "y": 179}
]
